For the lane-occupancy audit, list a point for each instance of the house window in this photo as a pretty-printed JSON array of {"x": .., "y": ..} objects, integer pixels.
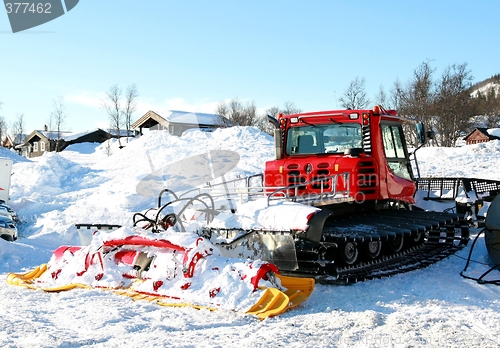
[
  {"x": 42, "y": 146},
  {"x": 35, "y": 146}
]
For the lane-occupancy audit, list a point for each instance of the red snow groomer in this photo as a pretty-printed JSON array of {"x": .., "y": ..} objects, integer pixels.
[{"x": 355, "y": 166}]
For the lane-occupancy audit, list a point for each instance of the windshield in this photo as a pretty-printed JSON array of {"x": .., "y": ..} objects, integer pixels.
[{"x": 323, "y": 138}]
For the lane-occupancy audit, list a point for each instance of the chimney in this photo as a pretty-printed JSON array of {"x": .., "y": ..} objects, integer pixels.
[{"x": 45, "y": 128}]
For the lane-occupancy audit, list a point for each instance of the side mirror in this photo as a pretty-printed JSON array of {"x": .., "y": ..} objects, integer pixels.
[{"x": 421, "y": 134}]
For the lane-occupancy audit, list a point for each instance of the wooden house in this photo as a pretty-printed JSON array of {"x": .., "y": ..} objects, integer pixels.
[
  {"x": 12, "y": 141},
  {"x": 176, "y": 122},
  {"x": 40, "y": 141},
  {"x": 479, "y": 135}
]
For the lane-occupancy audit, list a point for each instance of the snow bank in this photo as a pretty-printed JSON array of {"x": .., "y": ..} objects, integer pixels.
[
  {"x": 427, "y": 307},
  {"x": 472, "y": 161}
]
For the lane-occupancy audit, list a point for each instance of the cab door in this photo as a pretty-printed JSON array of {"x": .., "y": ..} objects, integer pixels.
[{"x": 400, "y": 184}]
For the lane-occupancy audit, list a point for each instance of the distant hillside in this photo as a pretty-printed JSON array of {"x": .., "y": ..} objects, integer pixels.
[
  {"x": 486, "y": 86},
  {"x": 487, "y": 93}
]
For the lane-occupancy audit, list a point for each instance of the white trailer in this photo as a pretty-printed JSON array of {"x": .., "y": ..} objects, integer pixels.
[{"x": 5, "y": 173}]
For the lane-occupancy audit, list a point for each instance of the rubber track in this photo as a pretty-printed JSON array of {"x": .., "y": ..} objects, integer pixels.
[
  {"x": 440, "y": 242},
  {"x": 410, "y": 260}
]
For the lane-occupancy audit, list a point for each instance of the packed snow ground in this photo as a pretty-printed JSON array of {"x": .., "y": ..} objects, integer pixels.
[{"x": 92, "y": 183}]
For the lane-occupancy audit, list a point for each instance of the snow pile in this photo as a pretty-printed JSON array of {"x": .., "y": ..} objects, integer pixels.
[
  {"x": 470, "y": 161},
  {"x": 4, "y": 152},
  {"x": 97, "y": 184},
  {"x": 282, "y": 216}
]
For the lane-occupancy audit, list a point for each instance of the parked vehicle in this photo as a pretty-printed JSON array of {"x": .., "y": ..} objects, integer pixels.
[
  {"x": 8, "y": 217},
  {"x": 8, "y": 229},
  {"x": 5, "y": 174}
]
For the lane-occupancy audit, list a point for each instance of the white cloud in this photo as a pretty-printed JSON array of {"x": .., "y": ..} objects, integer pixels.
[
  {"x": 95, "y": 100},
  {"x": 86, "y": 98}
]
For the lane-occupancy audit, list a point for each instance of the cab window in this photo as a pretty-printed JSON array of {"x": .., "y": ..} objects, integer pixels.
[{"x": 395, "y": 152}]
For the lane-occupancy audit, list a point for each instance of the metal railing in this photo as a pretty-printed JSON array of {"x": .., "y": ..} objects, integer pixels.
[
  {"x": 292, "y": 192},
  {"x": 450, "y": 188},
  {"x": 249, "y": 188},
  {"x": 243, "y": 188}
]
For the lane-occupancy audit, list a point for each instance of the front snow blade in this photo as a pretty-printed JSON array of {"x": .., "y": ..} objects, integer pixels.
[
  {"x": 174, "y": 270},
  {"x": 272, "y": 302}
]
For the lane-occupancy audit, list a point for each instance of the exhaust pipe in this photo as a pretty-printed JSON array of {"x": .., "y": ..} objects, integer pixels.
[{"x": 278, "y": 137}]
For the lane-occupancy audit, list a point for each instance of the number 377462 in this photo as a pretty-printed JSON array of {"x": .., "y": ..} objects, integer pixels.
[{"x": 28, "y": 7}]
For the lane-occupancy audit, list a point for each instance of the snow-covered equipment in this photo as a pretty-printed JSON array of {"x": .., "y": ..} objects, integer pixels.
[
  {"x": 5, "y": 174},
  {"x": 466, "y": 196},
  {"x": 492, "y": 231},
  {"x": 8, "y": 217},
  {"x": 492, "y": 240},
  {"x": 171, "y": 269}
]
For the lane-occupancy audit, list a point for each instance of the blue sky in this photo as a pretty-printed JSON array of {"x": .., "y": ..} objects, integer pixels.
[{"x": 191, "y": 55}]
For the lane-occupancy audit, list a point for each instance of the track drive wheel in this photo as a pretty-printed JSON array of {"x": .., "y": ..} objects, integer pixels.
[
  {"x": 416, "y": 238},
  {"x": 372, "y": 249},
  {"x": 349, "y": 253},
  {"x": 395, "y": 244}
]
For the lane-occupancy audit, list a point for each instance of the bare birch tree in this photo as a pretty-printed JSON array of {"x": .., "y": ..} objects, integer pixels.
[
  {"x": 243, "y": 115},
  {"x": 355, "y": 95},
  {"x": 131, "y": 95},
  {"x": 415, "y": 101},
  {"x": 289, "y": 108},
  {"x": 263, "y": 124},
  {"x": 18, "y": 128},
  {"x": 454, "y": 105},
  {"x": 3, "y": 130},
  {"x": 112, "y": 106},
  {"x": 57, "y": 118},
  {"x": 3, "y": 127},
  {"x": 381, "y": 97}
]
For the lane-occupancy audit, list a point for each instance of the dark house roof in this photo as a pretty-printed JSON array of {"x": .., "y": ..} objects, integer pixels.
[{"x": 96, "y": 136}]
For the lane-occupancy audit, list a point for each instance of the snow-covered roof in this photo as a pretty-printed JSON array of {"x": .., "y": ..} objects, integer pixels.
[
  {"x": 52, "y": 134},
  {"x": 65, "y": 135},
  {"x": 182, "y": 117},
  {"x": 15, "y": 139},
  {"x": 187, "y": 117},
  {"x": 494, "y": 132}
]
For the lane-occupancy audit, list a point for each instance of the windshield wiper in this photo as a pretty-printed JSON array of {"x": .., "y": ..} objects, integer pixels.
[
  {"x": 334, "y": 121},
  {"x": 310, "y": 124}
]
